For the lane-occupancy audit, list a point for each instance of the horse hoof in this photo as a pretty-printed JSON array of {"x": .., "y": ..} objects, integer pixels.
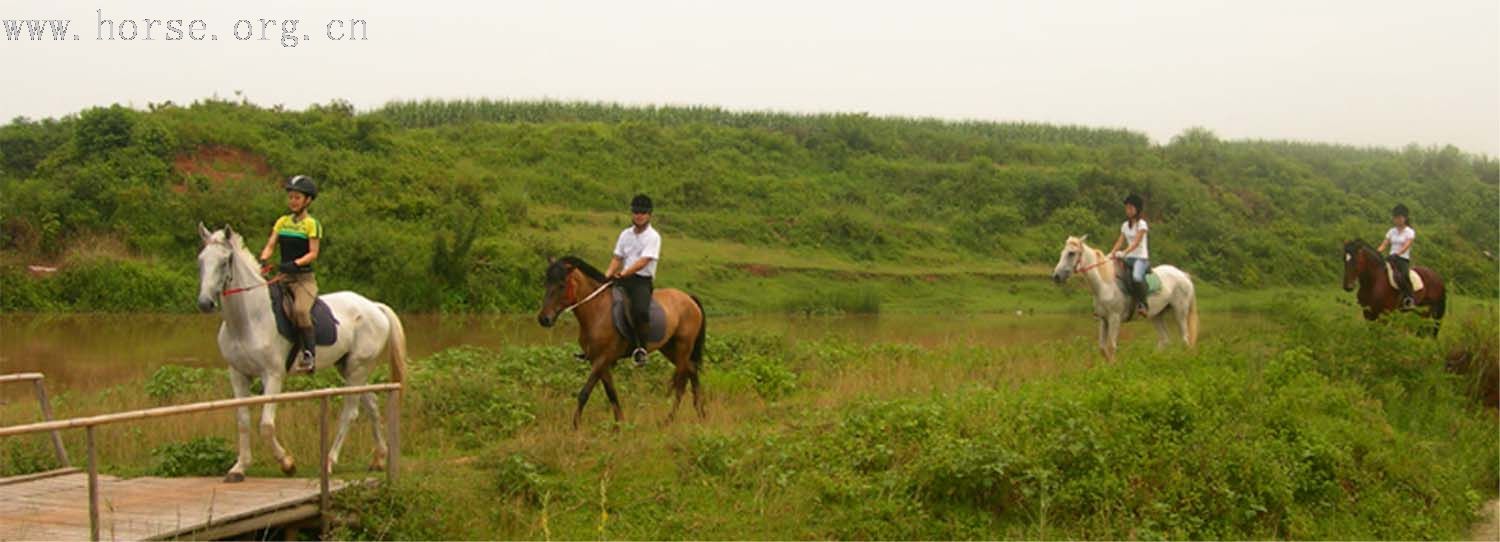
[
  {"x": 288, "y": 466},
  {"x": 377, "y": 465},
  {"x": 234, "y": 478}
]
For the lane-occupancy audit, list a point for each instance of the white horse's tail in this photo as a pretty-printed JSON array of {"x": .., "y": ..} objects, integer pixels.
[
  {"x": 1192, "y": 321},
  {"x": 395, "y": 343}
]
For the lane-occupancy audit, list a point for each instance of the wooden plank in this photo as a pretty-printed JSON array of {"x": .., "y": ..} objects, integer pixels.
[
  {"x": 38, "y": 475},
  {"x": 148, "y": 507},
  {"x": 20, "y": 377}
]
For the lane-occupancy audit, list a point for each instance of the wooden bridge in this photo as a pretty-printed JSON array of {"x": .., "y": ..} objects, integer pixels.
[{"x": 73, "y": 504}]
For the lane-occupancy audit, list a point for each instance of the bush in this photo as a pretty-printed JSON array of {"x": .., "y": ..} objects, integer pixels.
[
  {"x": 169, "y": 382},
  {"x": 201, "y": 456}
]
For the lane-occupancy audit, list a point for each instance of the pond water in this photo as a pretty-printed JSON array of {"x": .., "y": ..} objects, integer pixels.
[{"x": 80, "y": 352}]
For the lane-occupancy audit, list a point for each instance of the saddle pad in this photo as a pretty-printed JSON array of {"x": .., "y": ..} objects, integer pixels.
[
  {"x": 1416, "y": 280},
  {"x": 325, "y": 326},
  {"x": 1153, "y": 283},
  {"x": 622, "y": 321}
]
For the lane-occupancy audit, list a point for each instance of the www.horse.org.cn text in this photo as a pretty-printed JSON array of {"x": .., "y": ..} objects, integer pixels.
[{"x": 286, "y": 32}]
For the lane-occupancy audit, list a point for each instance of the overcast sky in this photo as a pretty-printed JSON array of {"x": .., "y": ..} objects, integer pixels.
[{"x": 1356, "y": 72}]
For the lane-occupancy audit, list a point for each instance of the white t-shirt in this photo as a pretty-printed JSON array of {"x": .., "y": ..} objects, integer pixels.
[
  {"x": 1400, "y": 237},
  {"x": 632, "y": 246},
  {"x": 1129, "y": 233}
]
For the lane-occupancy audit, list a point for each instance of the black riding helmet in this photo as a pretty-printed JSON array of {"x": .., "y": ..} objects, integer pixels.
[
  {"x": 1136, "y": 201},
  {"x": 303, "y": 184},
  {"x": 640, "y": 204},
  {"x": 1400, "y": 210}
]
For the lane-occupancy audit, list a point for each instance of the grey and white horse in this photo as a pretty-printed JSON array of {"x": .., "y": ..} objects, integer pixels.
[
  {"x": 249, "y": 342},
  {"x": 1111, "y": 304}
]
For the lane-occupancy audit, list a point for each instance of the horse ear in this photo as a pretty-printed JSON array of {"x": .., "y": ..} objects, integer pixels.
[
  {"x": 228, "y": 234},
  {"x": 1083, "y": 237},
  {"x": 203, "y": 233},
  {"x": 551, "y": 260}
]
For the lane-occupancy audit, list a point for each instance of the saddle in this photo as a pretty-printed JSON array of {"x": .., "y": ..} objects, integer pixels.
[
  {"x": 325, "y": 326},
  {"x": 1416, "y": 280},
  {"x": 621, "y": 317}
]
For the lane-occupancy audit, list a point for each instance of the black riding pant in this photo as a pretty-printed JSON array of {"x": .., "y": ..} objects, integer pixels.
[
  {"x": 638, "y": 290},
  {"x": 1402, "y": 266}
]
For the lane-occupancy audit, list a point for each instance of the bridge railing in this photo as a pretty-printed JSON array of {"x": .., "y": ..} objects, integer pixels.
[
  {"x": 393, "y": 424},
  {"x": 46, "y": 405}
]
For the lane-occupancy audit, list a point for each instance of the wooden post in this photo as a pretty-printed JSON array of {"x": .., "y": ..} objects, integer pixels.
[
  {"x": 93, "y": 486},
  {"x": 323, "y": 465},
  {"x": 57, "y": 445},
  {"x": 393, "y": 424}
]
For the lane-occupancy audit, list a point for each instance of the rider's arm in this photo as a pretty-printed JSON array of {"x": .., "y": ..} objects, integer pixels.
[
  {"x": 265, "y": 253},
  {"x": 1404, "y": 246},
  {"x": 614, "y": 265},
  {"x": 312, "y": 252},
  {"x": 1118, "y": 241},
  {"x": 636, "y": 267},
  {"x": 1383, "y": 244},
  {"x": 1137, "y": 242}
]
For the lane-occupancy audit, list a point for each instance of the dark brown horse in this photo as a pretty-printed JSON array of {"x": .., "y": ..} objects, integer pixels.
[
  {"x": 570, "y": 283},
  {"x": 1363, "y": 265}
]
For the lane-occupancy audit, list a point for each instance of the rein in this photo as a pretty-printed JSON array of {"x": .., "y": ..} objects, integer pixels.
[
  {"x": 266, "y": 269},
  {"x": 1078, "y": 270},
  {"x": 596, "y": 293}
]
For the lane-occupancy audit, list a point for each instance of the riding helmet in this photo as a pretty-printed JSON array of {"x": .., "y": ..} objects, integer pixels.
[
  {"x": 1136, "y": 201},
  {"x": 303, "y": 184},
  {"x": 641, "y": 204},
  {"x": 1399, "y": 210}
]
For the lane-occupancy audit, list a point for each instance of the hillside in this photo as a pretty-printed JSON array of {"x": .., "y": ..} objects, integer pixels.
[{"x": 454, "y": 205}]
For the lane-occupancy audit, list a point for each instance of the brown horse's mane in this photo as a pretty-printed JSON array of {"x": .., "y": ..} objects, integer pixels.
[
  {"x": 559, "y": 269},
  {"x": 1361, "y": 246}
]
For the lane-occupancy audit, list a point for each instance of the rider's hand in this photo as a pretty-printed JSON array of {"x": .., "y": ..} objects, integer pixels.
[
  {"x": 288, "y": 267},
  {"x": 1117, "y": 255}
]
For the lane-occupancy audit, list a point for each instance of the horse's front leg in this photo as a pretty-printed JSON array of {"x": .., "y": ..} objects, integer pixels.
[
  {"x": 273, "y": 381},
  {"x": 1104, "y": 339},
  {"x": 241, "y": 384},
  {"x": 583, "y": 394},
  {"x": 614, "y": 400},
  {"x": 1114, "y": 336}
]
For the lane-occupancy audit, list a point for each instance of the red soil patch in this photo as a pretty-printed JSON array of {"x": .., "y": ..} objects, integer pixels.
[
  {"x": 759, "y": 270},
  {"x": 220, "y": 164}
]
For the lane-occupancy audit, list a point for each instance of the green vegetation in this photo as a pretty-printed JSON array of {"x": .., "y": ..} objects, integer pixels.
[
  {"x": 1312, "y": 425},
  {"x": 202, "y": 456},
  {"x": 453, "y": 205}
]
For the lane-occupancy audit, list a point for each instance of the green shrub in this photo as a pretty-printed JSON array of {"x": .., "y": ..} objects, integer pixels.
[
  {"x": 170, "y": 382},
  {"x": 201, "y": 456}
]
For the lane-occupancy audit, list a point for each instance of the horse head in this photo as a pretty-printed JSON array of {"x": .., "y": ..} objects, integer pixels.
[
  {"x": 1358, "y": 257},
  {"x": 215, "y": 262},
  {"x": 1073, "y": 250},
  {"x": 561, "y": 292}
]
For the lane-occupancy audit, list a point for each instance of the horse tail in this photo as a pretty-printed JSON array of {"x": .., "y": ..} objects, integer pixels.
[
  {"x": 697, "y": 355},
  {"x": 1193, "y": 322},
  {"x": 396, "y": 343}
]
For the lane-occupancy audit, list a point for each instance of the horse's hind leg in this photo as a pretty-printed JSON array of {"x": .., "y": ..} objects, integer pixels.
[
  {"x": 583, "y": 394},
  {"x": 381, "y": 449},
  {"x": 1162, "y": 338},
  {"x": 679, "y": 385},
  {"x": 1182, "y": 324},
  {"x": 241, "y": 384}
]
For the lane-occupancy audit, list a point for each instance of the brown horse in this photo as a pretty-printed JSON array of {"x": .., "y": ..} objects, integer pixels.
[
  {"x": 1362, "y": 264},
  {"x": 576, "y": 285}
]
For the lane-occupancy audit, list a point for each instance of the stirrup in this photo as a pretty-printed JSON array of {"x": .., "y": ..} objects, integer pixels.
[
  {"x": 305, "y": 363},
  {"x": 640, "y": 356},
  {"x": 1408, "y": 302}
]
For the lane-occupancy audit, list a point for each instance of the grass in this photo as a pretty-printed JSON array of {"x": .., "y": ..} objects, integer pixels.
[{"x": 1265, "y": 432}]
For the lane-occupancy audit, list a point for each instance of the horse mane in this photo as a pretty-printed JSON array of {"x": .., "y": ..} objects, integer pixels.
[
  {"x": 559, "y": 269},
  {"x": 1361, "y": 246}
]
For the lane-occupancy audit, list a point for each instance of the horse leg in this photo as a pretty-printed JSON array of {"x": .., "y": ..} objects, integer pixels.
[
  {"x": 241, "y": 383},
  {"x": 1114, "y": 337},
  {"x": 272, "y": 381},
  {"x": 614, "y": 400},
  {"x": 583, "y": 394},
  {"x": 1104, "y": 339},
  {"x": 1182, "y": 323},
  {"x": 679, "y": 385},
  {"x": 1160, "y": 321},
  {"x": 697, "y": 396},
  {"x": 381, "y": 449},
  {"x": 348, "y": 412}
]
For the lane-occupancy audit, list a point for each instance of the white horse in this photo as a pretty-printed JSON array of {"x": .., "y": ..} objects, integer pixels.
[
  {"x": 249, "y": 342},
  {"x": 1111, "y": 305}
]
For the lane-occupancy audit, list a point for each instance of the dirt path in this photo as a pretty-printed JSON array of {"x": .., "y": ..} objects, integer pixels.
[{"x": 1489, "y": 529}]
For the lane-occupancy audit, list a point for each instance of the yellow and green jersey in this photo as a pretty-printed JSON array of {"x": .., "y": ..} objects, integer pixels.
[{"x": 293, "y": 237}]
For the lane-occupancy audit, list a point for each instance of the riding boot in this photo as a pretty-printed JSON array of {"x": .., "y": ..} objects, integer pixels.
[
  {"x": 640, "y": 353},
  {"x": 307, "y": 359},
  {"x": 1130, "y": 300},
  {"x": 1141, "y": 294}
]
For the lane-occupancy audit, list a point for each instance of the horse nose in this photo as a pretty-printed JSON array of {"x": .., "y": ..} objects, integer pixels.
[
  {"x": 544, "y": 320},
  {"x": 206, "y": 305},
  {"x": 1057, "y": 277}
]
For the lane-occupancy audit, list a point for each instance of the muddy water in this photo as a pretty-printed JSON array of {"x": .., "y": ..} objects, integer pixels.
[{"x": 80, "y": 352}]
